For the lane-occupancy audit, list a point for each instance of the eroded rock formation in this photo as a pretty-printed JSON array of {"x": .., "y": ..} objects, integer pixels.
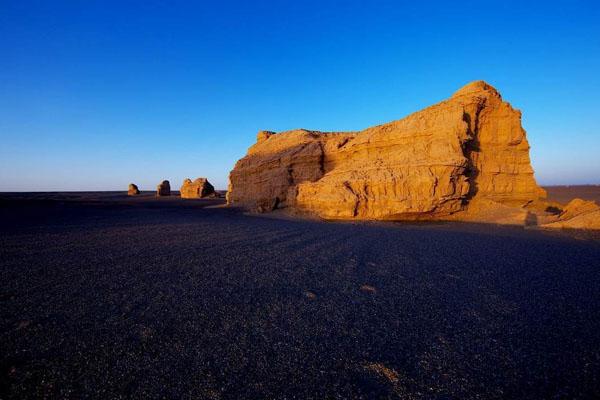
[
  {"x": 197, "y": 189},
  {"x": 133, "y": 190},
  {"x": 430, "y": 165},
  {"x": 578, "y": 214},
  {"x": 163, "y": 189}
]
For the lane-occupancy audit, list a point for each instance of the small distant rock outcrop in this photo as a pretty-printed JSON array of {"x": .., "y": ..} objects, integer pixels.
[
  {"x": 578, "y": 214},
  {"x": 263, "y": 135},
  {"x": 163, "y": 189},
  {"x": 465, "y": 158},
  {"x": 197, "y": 189},
  {"x": 133, "y": 190}
]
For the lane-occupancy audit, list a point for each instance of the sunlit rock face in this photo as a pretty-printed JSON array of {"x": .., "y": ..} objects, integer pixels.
[
  {"x": 429, "y": 165},
  {"x": 578, "y": 214},
  {"x": 197, "y": 189}
]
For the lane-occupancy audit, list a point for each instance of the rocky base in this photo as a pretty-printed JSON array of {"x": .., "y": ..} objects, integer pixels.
[{"x": 578, "y": 214}]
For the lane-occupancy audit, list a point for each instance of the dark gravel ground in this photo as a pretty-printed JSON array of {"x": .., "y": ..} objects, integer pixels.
[{"x": 104, "y": 296}]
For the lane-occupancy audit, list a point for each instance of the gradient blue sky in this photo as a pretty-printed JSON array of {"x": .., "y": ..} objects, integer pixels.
[{"x": 94, "y": 95}]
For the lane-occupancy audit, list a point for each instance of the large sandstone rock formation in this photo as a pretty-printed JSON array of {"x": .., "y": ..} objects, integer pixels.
[
  {"x": 163, "y": 189},
  {"x": 197, "y": 189},
  {"x": 430, "y": 165},
  {"x": 133, "y": 190}
]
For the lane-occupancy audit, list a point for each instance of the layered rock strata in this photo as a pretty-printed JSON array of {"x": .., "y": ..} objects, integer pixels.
[{"x": 430, "y": 165}]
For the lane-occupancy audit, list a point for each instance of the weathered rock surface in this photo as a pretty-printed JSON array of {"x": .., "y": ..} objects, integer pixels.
[
  {"x": 430, "y": 165},
  {"x": 163, "y": 189},
  {"x": 197, "y": 189},
  {"x": 133, "y": 190},
  {"x": 578, "y": 214}
]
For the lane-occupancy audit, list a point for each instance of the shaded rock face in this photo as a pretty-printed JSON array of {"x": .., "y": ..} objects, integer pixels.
[
  {"x": 163, "y": 189},
  {"x": 133, "y": 190},
  {"x": 429, "y": 165},
  {"x": 197, "y": 189}
]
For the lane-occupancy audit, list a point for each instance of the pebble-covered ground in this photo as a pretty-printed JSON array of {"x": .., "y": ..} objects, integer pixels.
[{"x": 103, "y": 296}]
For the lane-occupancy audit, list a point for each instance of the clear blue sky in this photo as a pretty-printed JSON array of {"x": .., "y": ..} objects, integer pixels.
[{"x": 94, "y": 95}]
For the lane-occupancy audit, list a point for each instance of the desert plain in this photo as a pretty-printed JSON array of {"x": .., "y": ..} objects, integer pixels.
[
  {"x": 415, "y": 259},
  {"x": 299, "y": 200},
  {"x": 106, "y": 295}
]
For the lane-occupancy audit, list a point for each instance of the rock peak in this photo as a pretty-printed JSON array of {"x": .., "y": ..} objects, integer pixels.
[{"x": 474, "y": 87}]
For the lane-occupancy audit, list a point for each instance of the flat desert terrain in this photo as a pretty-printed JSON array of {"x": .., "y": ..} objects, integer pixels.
[
  {"x": 108, "y": 296},
  {"x": 563, "y": 194}
]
